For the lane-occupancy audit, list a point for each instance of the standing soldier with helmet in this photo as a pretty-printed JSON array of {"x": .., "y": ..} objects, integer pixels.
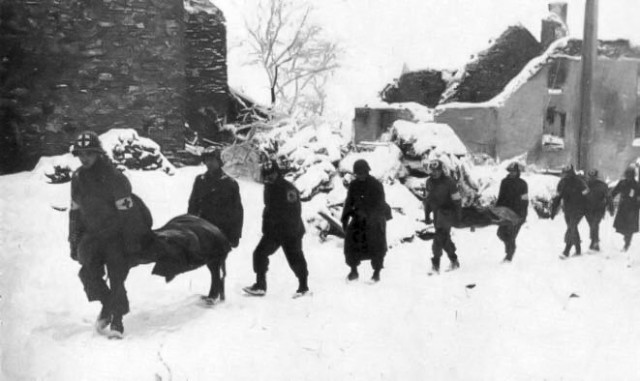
[
  {"x": 215, "y": 197},
  {"x": 514, "y": 194},
  {"x": 598, "y": 201},
  {"x": 282, "y": 226},
  {"x": 443, "y": 199},
  {"x": 107, "y": 226},
  {"x": 571, "y": 191},
  {"x": 364, "y": 220},
  {"x": 626, "y": 220}
]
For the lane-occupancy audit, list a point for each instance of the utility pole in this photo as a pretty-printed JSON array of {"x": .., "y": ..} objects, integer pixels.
[{"x": 589, "y": 58}]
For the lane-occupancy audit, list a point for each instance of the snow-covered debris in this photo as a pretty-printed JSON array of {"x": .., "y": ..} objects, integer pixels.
[
  {"x": 125, "y": 147},
  {"x": 47, "y": 165},
  {"x": 419, "y": 113},
  {"x": 241, "y": 160},
  {"x": 314, "y": 179},
  {"x": 384, "y": 160},
  {"x": 418, "y": 139}
]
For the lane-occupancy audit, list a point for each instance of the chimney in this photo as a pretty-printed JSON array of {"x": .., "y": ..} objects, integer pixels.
[{"x": 554, "y": 26}]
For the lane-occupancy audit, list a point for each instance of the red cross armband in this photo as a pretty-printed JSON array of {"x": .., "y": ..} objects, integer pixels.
[{"x": 124, "y": 203}]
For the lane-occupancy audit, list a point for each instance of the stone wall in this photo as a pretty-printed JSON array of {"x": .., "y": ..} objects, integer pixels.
[{"x": 68, "y": 65}]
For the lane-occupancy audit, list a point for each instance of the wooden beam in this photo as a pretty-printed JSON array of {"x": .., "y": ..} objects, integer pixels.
[{"x": 589, "y": 58}]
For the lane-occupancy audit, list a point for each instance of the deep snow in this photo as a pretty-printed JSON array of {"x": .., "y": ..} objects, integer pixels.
[{"x": 487, "y": 321}]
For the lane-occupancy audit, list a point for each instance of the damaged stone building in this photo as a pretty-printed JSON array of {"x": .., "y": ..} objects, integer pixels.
[
  {"x": 538, "y": 111},
  {"x": 522, "y": 95},
  {"x": 67, "y": 66}
]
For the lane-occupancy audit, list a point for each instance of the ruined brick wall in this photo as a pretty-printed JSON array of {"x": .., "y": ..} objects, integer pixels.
[{"x": 69, "y": 65}]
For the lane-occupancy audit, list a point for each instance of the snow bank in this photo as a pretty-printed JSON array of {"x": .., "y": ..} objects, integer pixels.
[
  {"x": 423, "y": 138},
  {"x": 384, "y": 160}
]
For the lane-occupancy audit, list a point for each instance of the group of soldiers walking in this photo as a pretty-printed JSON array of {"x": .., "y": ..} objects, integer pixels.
[
  {"x": 591, "y": 198},
  {"x": 108, "y": 223}
]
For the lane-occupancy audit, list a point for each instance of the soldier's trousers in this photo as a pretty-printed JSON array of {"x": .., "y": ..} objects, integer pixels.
[
  {"x": 572, "y": 235},
  {"x": 442, "y": 241},
  {"x": 508, "y": 235},
  {"x": 94, "y": 253},
  {"x": 594, "y": 218},
  {"x": 292, "y": 247}
]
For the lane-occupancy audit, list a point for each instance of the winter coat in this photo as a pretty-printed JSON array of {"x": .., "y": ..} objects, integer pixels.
[
  {"x": 185, "y": 243},
  {"x": 626, "y": 221},
  {"x": 282, "y": 215},
  {"x": 514, "y": 194},
  {"x": 365, "y": 217},
  {"x": 216, "y": 198},
  {"x": 103, "y": 206},
  {"x": 443, "y": 199},
  {"x": 571, "y": 191},
  {"x": 598, "y": 197}
]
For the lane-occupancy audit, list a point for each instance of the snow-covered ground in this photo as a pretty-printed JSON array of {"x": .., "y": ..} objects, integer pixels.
[{"x": 537, "y": 318}]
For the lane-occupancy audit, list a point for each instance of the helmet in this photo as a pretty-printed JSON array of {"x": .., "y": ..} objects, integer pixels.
[
  {"x": 629, "y": 173},
  {"x": 87, "y": 141},
  {"x": 361, "y": 166},
  {"x": 269, "y": 167},
  {"x": 568, "y": 170},
  {"x": 435, "y": 165},
  {"x": 213, "y": 152},
  {"x": 513, "y": 167}
]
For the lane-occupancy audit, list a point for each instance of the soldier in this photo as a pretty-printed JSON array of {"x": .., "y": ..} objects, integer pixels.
[
  {"x": 107, "y": 226},
  {"x": 514, "y": 194},
  {"x": 571, "y": 191},
  {"x": 626, "y": 220},
  {"x": 443, "y": 199},
  {"x": 364, "y": 220},
  {"x": 281, "y": 227},
  {"x": 598, "y": 201},
  {"x": 215, "y": 197}
]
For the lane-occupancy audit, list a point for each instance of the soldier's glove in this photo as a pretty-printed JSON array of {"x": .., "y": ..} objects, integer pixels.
[{"x": 428, "y": 220}]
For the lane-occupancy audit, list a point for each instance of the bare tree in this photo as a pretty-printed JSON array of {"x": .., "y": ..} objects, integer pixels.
[{"x": 296, "y": 57}]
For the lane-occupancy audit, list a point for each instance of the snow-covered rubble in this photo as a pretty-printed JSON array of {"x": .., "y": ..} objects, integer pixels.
[
  {"x": 427, "y": 138},
  {"x": 125, "y": 147}
]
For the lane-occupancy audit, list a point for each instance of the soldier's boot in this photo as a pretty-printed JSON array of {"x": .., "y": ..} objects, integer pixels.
[
  {"x": 435, "y": 266},
  {"x": 104, "y": 318},
  {"x": 567, "y": 249},
  {"x": 595, "y": 246},
  {"x": 303, "y": 288},
  {"x": 578, "y": 249},
  {"x": 117, "y": 328},
  {"x": 376, "y": 275},
  {"x": 627, "y": 242},
  {"x": 454, "y": 265},
  {"x": 259, "y": 288},
  {"x": 353, "y": 274}
]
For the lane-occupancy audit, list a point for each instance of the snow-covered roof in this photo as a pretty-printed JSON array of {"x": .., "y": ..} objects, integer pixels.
[{"x": 532, "y": 68}]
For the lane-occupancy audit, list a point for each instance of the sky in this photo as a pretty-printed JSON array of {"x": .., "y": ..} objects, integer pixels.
[{"x": 380, "y": 36}]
